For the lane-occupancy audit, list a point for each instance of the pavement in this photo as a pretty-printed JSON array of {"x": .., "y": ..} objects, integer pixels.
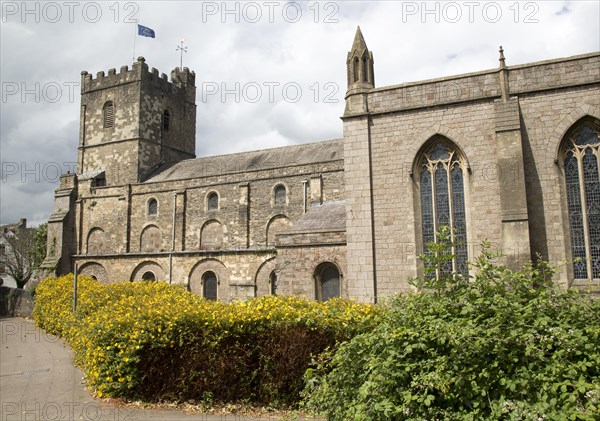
[{"x": 39, "y": 381}]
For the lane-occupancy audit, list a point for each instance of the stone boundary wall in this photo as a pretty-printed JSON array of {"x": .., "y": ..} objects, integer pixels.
[{"x": 15, "y": 302}]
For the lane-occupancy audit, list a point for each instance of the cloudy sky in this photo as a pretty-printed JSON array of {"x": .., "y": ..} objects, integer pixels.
[{"x": 269, "y": 73}]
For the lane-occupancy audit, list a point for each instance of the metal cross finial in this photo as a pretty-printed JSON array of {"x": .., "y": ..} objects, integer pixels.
[{"x": 181, "y": 50}]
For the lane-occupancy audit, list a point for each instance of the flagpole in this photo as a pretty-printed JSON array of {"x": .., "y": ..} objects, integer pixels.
[{"x": 134, "y": 36}]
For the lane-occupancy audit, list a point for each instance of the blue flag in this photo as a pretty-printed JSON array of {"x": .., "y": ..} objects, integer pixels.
[{"x": 145, "y": 31}]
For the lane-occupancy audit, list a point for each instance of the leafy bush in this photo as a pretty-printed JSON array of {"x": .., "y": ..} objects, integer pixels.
[
  {"x": 154, "y": 341},
  {"x": 504, "y": 345}
]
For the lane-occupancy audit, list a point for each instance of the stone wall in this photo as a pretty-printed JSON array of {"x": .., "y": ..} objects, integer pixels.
[
  {"x": 506, "y": 123},
  {"x": 235, "y": 240},
  {"x": 15, "y": 302}
]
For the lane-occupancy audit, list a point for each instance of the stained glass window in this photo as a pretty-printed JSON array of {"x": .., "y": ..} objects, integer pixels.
[
  {"x": 582, "y": 182},
  {"x": 443, "y": 202}
]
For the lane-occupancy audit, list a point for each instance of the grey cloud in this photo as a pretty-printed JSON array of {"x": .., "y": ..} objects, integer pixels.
[{"x": 306, "y": 52}]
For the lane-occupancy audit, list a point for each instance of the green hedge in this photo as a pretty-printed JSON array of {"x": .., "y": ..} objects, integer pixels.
[
  {"x": 155, "y": 342},
  {"x": 504, "y": 345}
]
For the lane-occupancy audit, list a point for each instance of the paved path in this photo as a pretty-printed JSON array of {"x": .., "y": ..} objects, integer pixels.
[{"x": 39, "y": 381}]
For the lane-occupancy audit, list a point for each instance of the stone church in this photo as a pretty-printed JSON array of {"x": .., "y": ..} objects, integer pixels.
[{"x": 509, "y": 155}]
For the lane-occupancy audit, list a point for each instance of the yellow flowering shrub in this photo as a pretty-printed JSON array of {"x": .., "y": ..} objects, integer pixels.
[{"x": 155, "y": 341}]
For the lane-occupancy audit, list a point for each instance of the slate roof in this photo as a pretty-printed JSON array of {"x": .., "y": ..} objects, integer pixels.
[
  {"x": 330, "y": 216},
  {"x": 286, "y": 156}
]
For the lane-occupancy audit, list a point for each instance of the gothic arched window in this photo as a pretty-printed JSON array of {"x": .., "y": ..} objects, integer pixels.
[
  {"x": 582, "y": 178},
  {"x": 442, "y": 191},
  {"x": 108, "y": 114},
  {"x": 356, "y": 64}
]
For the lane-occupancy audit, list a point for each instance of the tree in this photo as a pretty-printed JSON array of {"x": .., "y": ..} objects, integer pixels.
[{"x": 25, "y": 252}]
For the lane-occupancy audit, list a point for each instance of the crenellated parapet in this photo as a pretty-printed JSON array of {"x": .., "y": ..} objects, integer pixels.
[{"x": 139, "y": 72}]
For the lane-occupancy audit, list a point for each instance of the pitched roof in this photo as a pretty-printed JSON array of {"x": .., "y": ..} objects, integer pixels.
[
  {"x": 330, "y": 216},
  {"x": 243, "y": 162}
]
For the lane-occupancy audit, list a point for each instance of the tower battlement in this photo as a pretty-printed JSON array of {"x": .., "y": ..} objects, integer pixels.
[
  {"x": 181, "y": 79},
  {"x": 144, "y": 118}
]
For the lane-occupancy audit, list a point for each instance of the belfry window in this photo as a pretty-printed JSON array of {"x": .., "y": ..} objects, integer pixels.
[
  {"x": 108, "y": 114},
  {"x": 443, "y": 202},
  {"x": 582, "y": 179}
]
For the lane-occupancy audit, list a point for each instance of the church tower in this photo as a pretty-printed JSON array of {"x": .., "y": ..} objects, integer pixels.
[{"x": 134, "y": 121}]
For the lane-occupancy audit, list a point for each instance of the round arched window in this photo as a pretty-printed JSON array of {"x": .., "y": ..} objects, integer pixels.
[
  {"x": 149, "y": 276},
  {"x": 280, "y": 195},
  {"x": 273, "y": 282},
  {"x": 209, "y": 286},
  {"x": 152, "y": 207},
  {"x": 328, "y": 281},
  {"x": 212, "y": 201}
]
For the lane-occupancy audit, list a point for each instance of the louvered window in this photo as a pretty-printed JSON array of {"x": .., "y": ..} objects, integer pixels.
[{"x": 109, "y": 114}]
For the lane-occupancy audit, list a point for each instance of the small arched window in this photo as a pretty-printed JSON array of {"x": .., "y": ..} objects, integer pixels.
[
  {"x": 328, "y": 280},
  {"x": 166, "y": 120},
  {"x": 356, "y": 65},
  {"x": 152, "y": 207},
  {"x": 212, "y": 201},
  {"x": 365, "y": 70},
  {"x": 96, "y": 242},
  {"x": 280, "y": 195},
  {"x": 273, "y": 282},
  {"x": 209, "y": 286},
  {"x": 582, "y": 177},
  {"x": 149, "y": 276},
  {"x": 108, "y": 114},
  {"x": 443, "y": 202}
]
